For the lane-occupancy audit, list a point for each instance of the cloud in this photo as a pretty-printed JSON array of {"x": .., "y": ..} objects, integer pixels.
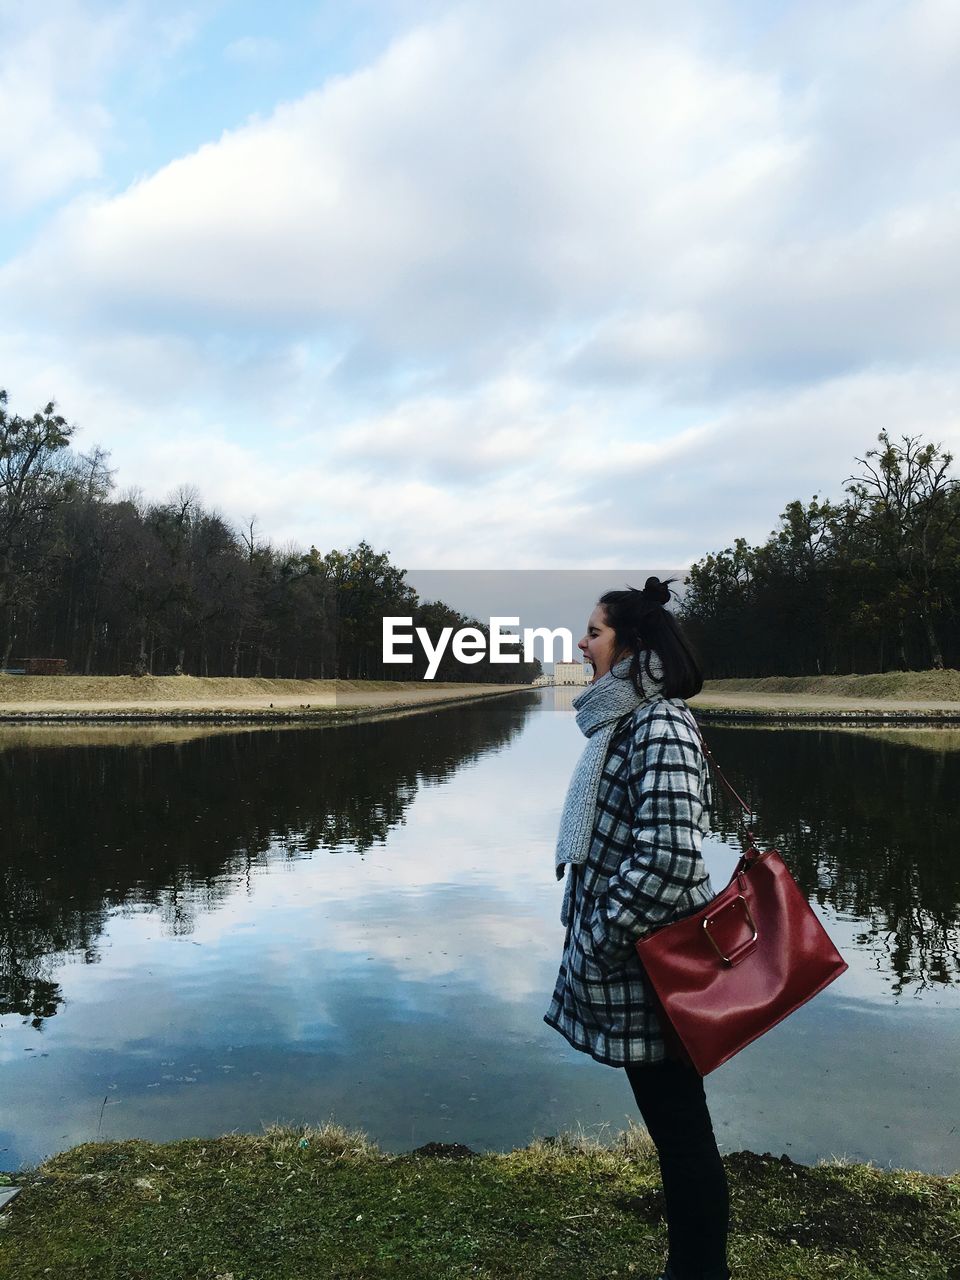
[
  {"x": 580, "y": 482},
  {"x": 411, "y": 199},
  {"x": 57, "y": 64},
  {"x": 50, "y": 75},
  {"x": 794, "y": 312},
  {"x": 647, "y": 344},
  {"x": 503, "y": 426},
  {"x": 677, "y": 206},
  {"x": 734, "y": 473},
  {"x": 253, "y": 51},
  {"x": 530, "y": 287}
]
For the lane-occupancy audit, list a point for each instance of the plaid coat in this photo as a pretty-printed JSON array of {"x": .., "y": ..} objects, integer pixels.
[{"x": 643, "y": 869}]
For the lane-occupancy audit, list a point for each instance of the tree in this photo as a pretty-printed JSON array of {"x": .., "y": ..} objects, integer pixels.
[
  {"x": 838, "y": 584},
  {"x": 33, "y": 483},
  {"x": 367, "y": 586},
  {"x": 87, "y": 532},
  {"x": 909, "y": 511}
]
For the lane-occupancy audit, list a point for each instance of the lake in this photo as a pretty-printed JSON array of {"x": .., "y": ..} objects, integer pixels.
[{"x": 216, "y": 931}]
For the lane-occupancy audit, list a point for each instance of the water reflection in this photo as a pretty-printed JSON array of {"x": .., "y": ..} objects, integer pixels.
[
  {"x": 362, "y": 923},
  {"x": 868, "y": 828},
  {"x": 168, "y": 825}
]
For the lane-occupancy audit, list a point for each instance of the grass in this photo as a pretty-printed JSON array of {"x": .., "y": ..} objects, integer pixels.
[
  {"x": 178, "y": 688},
  {"x": 888, "y": 684},
  {"x": 293, "y": 1203}
]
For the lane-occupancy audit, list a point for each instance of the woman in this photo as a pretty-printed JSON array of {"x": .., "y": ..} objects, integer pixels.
[{"x": 630, "y": 834}]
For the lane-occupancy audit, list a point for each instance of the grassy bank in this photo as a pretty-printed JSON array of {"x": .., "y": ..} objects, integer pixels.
[
  {"x": 299, "y": 1203},
  {"x": 908, "y": 685},
  {"x": 198, "y": 698},
  {"x": 898, "y": 696},
  {"x": 906, "y": 696}
]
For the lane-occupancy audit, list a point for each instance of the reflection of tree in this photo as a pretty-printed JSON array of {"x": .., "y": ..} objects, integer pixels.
[
  {"x": 93, "y": 830},
  {"x": 24, "y": 914},
  {"x": 868, "y": 828}
]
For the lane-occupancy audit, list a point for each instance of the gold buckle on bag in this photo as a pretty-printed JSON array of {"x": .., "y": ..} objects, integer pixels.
[{"x": 708, "y": 920}]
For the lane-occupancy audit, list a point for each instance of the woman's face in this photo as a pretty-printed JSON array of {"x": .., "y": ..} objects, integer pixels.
[{"x": 598, "y": 646}]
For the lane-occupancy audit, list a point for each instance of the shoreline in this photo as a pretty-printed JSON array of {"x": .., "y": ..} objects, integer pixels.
[
  {"x": 895, "y": 698},
  {"x": 296, "y": 1202},
  {"x": 317, "y": 703},
  {"x": 901, "y": 699},
  {"x": 828, "y": 716}
]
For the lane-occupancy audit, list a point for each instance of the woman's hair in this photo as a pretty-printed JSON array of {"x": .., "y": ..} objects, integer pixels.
[{"x": 640, "y": 623}]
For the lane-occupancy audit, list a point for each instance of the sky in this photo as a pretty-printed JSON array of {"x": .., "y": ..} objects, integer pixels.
[{"x": 489, "y": 285}]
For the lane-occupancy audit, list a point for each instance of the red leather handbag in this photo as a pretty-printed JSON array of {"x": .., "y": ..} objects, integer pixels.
[{"x": 742, "y": 963}]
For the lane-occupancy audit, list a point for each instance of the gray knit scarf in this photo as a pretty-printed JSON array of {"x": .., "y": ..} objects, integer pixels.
[{"x": 598, "y": 709}]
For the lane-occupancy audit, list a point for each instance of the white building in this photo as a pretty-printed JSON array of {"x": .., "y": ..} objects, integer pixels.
[{"x": 572, "y": 673}]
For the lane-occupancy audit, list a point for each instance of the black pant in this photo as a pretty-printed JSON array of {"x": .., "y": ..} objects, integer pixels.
[{"x": 673, "y": 1104}]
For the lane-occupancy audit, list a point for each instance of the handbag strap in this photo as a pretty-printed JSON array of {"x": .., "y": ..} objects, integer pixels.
[{"x": 720, "y": 774}]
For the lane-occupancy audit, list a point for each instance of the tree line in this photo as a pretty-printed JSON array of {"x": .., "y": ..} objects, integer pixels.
[
  {"x": 867, "y": 584},
  {"x": 114, "y": 584},
  {"x": 117, "y": 585}
]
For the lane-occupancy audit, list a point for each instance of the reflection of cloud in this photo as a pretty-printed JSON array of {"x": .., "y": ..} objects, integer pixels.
[
  {"x": 479, "y": 941},
  {"x": 412, "y": 981}
]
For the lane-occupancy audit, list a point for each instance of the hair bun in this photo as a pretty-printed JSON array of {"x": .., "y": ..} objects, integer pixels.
[{"x": 656, "y": 590}]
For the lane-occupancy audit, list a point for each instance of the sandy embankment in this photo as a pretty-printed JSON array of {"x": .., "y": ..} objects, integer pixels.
[
  {"x": 146, "y": 698},
  {"x": 900, "y": 695},
  {"x": 716, "y": 701}
]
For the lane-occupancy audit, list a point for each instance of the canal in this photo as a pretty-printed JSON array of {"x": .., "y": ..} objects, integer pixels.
[{"x": 206, "y": 931}]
